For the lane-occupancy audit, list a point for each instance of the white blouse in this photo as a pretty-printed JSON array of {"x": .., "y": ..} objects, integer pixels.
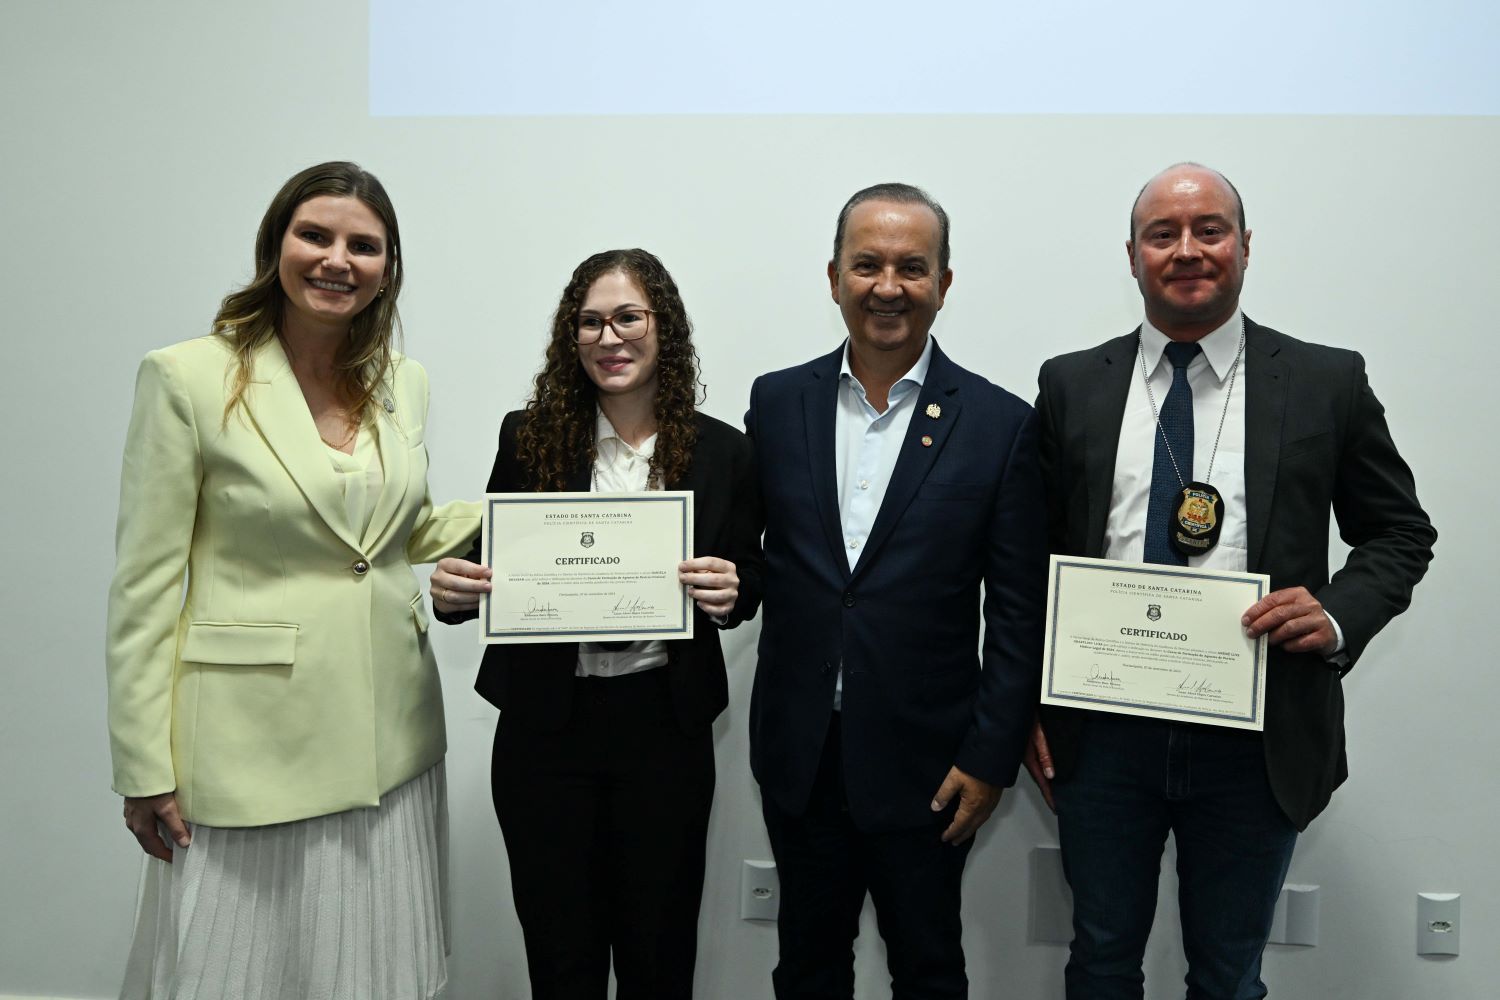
[
  {"x": 361, "y": 477},
  {"x": 620, "y": 468}
]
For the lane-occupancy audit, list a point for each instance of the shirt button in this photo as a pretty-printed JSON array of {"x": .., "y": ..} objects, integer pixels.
[
  {"x": 360, "y": 567},
  {"x": 854, "y": 543},
  {"x": 864, "y": 484}
]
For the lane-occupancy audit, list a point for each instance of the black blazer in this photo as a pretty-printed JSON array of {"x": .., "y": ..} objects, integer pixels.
[
  {"x": 533, "y": 683},
  {"x": 1315, "y": 439},
  {"x": 964, "y": 508}
]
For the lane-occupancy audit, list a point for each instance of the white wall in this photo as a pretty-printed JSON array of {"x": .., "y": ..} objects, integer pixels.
[{"x": 142, "y": 141}]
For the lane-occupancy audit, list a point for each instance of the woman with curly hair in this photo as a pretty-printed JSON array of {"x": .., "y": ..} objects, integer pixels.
[{"x": 603, "y": 768}]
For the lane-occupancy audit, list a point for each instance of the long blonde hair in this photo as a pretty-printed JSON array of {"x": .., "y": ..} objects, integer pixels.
[{"x": 250, "y": 317}]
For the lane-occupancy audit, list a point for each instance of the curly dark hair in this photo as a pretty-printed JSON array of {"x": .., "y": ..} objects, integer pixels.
[{"x": 556, "y": 435}]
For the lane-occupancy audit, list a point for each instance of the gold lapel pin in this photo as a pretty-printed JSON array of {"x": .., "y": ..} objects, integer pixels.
[
  {"x": 926, "y": 440},
  {"x": 934, "y": 411}
]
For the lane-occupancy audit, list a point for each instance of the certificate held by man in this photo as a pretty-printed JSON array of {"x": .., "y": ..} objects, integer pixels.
[
  {"x": 586, "y": 567},
  {"x": 1153, "y": 640}
]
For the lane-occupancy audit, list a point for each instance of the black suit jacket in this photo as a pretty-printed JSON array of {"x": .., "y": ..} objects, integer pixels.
[
  {"x": 1315, "y": 439},
  {"x": 533, "y": 682},
  {"x": 963, "y": 509}
]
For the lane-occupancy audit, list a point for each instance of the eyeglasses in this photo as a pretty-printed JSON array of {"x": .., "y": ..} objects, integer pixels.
[{"x": 628, "y": 324}]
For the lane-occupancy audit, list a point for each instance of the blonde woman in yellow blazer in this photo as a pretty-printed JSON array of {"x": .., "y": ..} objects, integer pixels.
[{"x": 282, "y": 719}]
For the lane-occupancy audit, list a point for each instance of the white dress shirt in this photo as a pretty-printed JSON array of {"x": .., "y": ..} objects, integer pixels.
[
  {"x": 1208, "y": 376},
  {"x": 866, "y": 444},
  {"x": 619, "y": 468}
]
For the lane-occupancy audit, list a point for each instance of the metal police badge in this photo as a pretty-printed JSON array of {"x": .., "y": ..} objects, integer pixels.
[{"x": 1199, "y": 519}]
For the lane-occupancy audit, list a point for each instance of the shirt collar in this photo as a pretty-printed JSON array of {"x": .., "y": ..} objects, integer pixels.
[
  {"x": 605, "y": 431},
  {"x": 1220, "y": 347},
  {"x": 916, "y": 376}
]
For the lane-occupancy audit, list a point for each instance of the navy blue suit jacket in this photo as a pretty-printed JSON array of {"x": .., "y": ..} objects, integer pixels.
[{"x": 919, "y": 695}]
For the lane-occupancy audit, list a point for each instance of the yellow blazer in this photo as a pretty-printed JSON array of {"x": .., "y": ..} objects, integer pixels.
[{"x": 295, "y": 678}]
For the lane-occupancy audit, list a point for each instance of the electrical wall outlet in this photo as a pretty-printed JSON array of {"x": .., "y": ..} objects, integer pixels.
[
  {"x": 1050, "y": 920},
  {"x": 760, "y": 891},
  {"x": 1296, "y": 919},
  {"x": 1437, "y": 923}
]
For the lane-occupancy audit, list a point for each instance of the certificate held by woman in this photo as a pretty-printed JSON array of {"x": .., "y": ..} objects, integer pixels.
[{"x": 587, "y": 567}]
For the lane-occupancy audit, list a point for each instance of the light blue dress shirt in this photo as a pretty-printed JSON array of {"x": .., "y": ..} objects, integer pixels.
[{"x": 866, "y": 445}]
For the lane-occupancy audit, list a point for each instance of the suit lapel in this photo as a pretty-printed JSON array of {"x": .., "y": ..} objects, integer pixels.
[
  {"x": 915, "y": 459},
  {"x": 820, "y": 398},
  {"x": 1106, "y": 409},
  {"x": 1266, "y": 387},
  {"x": 275, "y": 403},
  {"x": 394, "y": 445},
  {"x": 703, "y": 472}
]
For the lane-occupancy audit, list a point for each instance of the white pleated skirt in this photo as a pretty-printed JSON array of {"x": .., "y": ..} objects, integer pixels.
[{"x": 351, "y": 906}]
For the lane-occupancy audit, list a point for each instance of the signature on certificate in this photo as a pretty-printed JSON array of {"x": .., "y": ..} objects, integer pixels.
[
  {"x": 1099, "y": 677},
  {"x": 540, "y": 609},
  {"x": 1200, "y": 685},
  {"x": 627, "y": 606}
]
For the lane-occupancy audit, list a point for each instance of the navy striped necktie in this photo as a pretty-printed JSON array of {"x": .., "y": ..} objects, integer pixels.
[{"x": 1175, "y": 428}]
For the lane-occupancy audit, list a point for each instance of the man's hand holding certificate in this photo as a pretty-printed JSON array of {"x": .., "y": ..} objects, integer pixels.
[
  {"x": 586, "y": 567},
  {"x": 1160, "y": 641}
]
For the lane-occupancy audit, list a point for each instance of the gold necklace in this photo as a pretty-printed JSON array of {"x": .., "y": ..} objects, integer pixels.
[{"x": 341, "y": 445}]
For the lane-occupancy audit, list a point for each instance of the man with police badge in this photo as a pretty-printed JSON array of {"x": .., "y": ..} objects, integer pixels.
[{"x": 1203, "y": 439}]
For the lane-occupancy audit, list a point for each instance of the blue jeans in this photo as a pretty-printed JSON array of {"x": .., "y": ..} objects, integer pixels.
[{"x": 1136, "y": 780}]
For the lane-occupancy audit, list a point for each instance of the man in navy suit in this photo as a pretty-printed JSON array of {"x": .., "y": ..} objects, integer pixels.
[
  {"x": 1284, "y": 431},
  {"x": 895, "y": 483}
]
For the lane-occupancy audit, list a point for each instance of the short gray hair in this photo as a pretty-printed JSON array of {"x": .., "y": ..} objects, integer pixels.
[{"x": 902, "y": 194}]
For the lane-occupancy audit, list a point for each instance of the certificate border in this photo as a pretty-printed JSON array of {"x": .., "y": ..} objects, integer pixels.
[
  {"x": 681, "y": 630},
  {"x": 1104, "y": 565}
]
